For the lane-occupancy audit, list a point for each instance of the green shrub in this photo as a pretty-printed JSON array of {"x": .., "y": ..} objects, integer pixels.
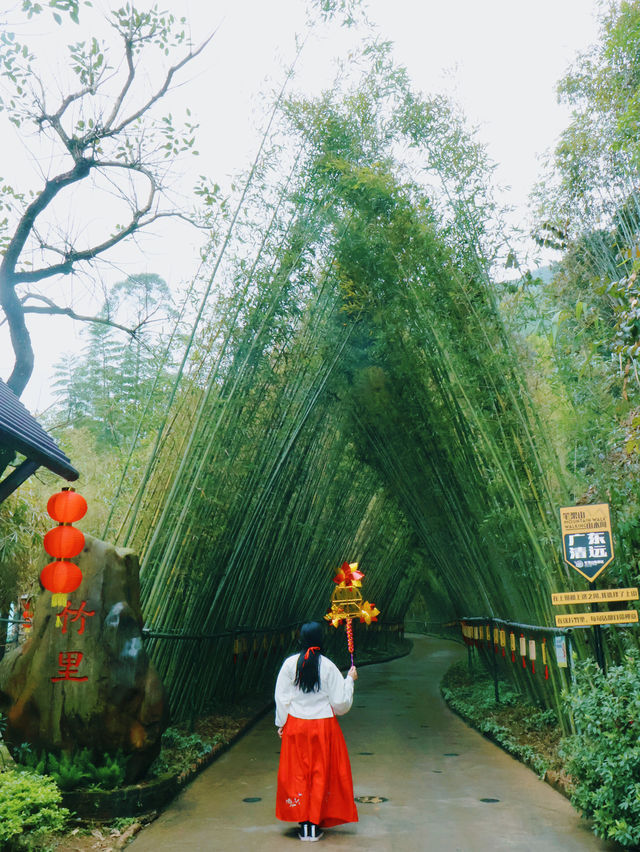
[
  {"x": 179, "y": 749},
  {"x": 28, "y": 807},
  {"x": 604, "y": 756},
  {"x": 538, "y": 720},
  {"x": 112, "y": 773},
  {"x": 80, "y": 769}
]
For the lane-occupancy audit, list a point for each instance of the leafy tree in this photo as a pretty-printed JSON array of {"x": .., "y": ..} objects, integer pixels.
[
  {"x": 21, "y": 529},
  {"x": 104, "y": 135},
  {"x": 594, "y": 165},
  {"x": 583, "y": 325},
  {"x": 116, "y": 388}
]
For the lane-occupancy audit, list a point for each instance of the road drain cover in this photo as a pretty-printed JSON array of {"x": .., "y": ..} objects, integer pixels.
[
  {"x": 370, "y": 800},
  {"x": 365, "y": 752},
  {"x": 437, "y": 771},
  {"x": 451, "y": 754},
  {"x": 489, "y": 800},
  {"x": 252, "y": 799}
]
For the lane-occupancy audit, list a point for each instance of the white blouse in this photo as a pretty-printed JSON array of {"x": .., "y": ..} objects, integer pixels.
[{"x": 335, "y": 693}]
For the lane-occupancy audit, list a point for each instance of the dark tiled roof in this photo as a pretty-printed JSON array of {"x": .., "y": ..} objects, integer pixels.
[{"x": 20, "y": 431}]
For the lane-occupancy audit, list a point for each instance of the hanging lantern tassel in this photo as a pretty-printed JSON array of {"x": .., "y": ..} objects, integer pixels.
[
  {"x": 523, "y": 650},
  {"x": 532, "y": 654},
  {"x": 496, "y": 639},
  {"x": 544, "y": 659},
  {"x": 512, "y": 646},
  {"x": 503, "y": 642}
]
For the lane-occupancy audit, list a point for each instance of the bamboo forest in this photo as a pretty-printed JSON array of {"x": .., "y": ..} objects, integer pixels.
[{"x": 367, "y": 370}]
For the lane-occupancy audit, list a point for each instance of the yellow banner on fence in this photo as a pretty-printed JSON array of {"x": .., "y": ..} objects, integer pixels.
[{"x": 587, "y": 619}]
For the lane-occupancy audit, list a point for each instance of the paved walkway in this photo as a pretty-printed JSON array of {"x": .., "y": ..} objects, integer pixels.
[{"x": 405, "y": 746}]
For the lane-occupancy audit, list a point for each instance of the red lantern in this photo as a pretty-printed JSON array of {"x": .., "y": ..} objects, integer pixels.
[
  {"x": 61, "y": 578},
  {"x": 67, "y": 506},
  {"x": 63, "y": 542}
]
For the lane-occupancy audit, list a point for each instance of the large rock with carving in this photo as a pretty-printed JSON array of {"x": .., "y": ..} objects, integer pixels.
[{"x": 83, "y": 678}]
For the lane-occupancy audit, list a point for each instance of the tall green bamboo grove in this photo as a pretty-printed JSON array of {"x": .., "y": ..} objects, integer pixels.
[
  {"x": 582, "y": 323},
  {"x": 355, "y": 396},
  {"x": 438, "y": 403}
]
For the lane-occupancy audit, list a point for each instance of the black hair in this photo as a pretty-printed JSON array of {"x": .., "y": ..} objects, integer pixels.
[{"x": 308, "y": 665}]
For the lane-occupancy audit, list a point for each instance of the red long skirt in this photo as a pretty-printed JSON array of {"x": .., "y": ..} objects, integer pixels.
[{"x": 314, "y": 777}]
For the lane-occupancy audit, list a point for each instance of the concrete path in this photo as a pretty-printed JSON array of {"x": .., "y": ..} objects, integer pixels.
[{"x": 406, "y": 746}]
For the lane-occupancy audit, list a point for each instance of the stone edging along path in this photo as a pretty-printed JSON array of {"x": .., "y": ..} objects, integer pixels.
[{"x": 146, "y": 797}]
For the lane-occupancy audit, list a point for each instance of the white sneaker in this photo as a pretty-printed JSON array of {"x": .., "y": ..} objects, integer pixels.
[
  {"x": 310, "y": 832},
  {"x": 315, "y": 832}
]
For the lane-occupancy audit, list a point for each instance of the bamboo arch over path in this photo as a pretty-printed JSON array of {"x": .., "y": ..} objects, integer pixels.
[{"x": 351, "y": 393}]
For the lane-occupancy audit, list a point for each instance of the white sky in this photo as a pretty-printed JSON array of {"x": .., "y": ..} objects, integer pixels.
[{"x": 500, "y": 59}]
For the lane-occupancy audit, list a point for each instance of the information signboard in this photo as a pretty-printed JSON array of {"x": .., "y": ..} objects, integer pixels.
[
  {"x": 589, "y": 619},
  {"x": 586, "y": 538},
  {"x": 594, "y": 596}
]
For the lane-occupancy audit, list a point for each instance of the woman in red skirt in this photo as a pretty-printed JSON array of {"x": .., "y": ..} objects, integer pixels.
[{"x": 314, "y": 778}]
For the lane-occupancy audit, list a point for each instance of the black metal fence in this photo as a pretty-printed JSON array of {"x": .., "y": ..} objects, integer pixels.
[{"x": 536, "y": 656}]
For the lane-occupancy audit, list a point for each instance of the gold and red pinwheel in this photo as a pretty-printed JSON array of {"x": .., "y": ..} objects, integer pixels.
[
  {"x": 370, "y": 612},
  {"x": 347, "y": 603},
  {"x": 348, "y": 575}
]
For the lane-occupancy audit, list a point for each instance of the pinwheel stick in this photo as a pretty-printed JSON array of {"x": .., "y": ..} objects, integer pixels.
[{"x": 349, "y": 627}]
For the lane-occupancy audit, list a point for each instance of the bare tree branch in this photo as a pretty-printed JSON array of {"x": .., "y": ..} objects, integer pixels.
[
  {"x": 127, "y": 85},
  {"x": 51, "y": 188},
  {"x": 72, "y": 257},
  {"x": 112, "y": 131},
  {"x": 51, "y": 308},
  {"x": 85, "y": 151}
]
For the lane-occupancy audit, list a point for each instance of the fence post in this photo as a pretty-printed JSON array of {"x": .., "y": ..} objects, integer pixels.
[
  {"x": 494, "y": 665},
  {"x": 235, "y": 651},
  {"x": 570, "y": 671}
]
